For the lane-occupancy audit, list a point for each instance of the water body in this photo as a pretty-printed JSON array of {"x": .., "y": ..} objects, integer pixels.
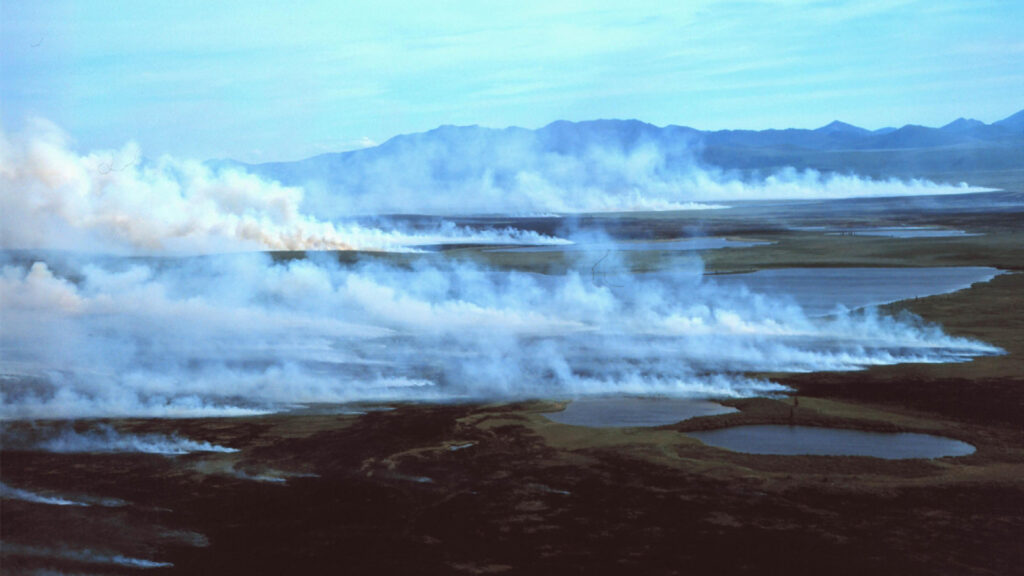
[
  {"x": 820, "y": 290},
  {"x": 619, "y": 412},
  {"x": 900, "y": 232},
  {"x": 807, "y": 440},
  {"x": 678, "y": 245}
]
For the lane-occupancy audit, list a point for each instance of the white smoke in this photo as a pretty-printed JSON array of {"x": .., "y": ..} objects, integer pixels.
[
  {"x": 243, "y": 334},
  {"x": 240, "y": 334},
  {"x": 115, "y": 201},
  {"x": 84, "y": 556},
  {"x": 107, "y": 440},
  {"x": 29, "y": 496},
  {"x": 475, "y": 171}
]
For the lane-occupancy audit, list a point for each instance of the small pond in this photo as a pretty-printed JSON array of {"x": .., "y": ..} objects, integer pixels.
[
  {"x": 902, "y": 232},
  {"x": 618, "y": 412},
  {"x": 808, "y": 440},
  {"x": 681, "y": 244}
]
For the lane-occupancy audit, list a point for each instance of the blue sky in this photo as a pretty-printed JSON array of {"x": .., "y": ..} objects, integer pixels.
[{"x": 259, "y": 81}]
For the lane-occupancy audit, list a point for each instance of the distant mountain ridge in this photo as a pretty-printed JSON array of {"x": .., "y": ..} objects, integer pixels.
[
  {"x": 499, "y": 158},
  {"x": 565, "y": 136},
  {"x": 842, "y": 136},
  {"x": 1014, "y": 122}
]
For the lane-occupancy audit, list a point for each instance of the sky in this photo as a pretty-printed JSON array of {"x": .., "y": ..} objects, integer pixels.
[{"x": 260, "y": 81}]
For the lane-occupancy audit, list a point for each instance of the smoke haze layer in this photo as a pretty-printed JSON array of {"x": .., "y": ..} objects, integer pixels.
[
  {"x": 29, "y": 496},
  {"x": 84, "y": 556},
  {"x": 242, "y": 333},
  {"x": 602, "y": 166},
  {"x": 117, "y": 202}
]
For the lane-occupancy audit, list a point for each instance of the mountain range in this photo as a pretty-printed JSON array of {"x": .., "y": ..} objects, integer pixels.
[
  {"x": 962, "y": 150},
  {"x": 842, "y": 136}
]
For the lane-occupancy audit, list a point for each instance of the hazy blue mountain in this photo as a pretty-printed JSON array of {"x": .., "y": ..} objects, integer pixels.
[
  {"x": 574, "y": 138},
  {"x": 1014, "y": 122},
  {"x": 842, "y": 128},
  {"x": 604, "y": 153},
  {"x": 911, "y": 136},
  {"x": 963, "y": 125}
]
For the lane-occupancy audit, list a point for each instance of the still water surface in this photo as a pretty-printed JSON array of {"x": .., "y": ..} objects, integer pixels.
[
  {"x": 820, "y": 290},
  {"x": 619, "y": 412},
  {"x": 809, "y": 440},
  {"x": 679, "y": 244}
]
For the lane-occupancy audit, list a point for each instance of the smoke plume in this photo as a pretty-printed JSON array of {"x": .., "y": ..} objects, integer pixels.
[
  {"x": 118, "y": 202},
  {"x": 84, "y": 556},
  {"x": 107, "y": 440},
  {"x": 29, "y": 496},
  {"x": 242, "y": 333},
  {"x": 601, "y": 167}
]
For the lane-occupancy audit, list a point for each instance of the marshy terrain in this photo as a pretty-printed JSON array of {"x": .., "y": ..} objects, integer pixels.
[{"x": 482, "y": 487}]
